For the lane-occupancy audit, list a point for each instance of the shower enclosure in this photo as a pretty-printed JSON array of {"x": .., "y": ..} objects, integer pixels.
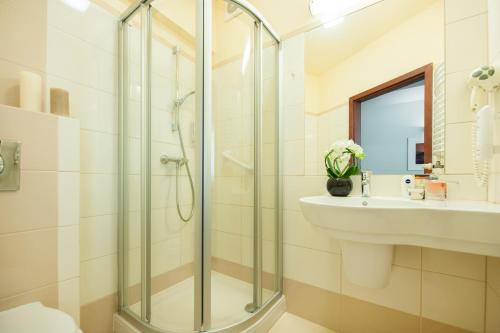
[{"x": 200, "y": 225}]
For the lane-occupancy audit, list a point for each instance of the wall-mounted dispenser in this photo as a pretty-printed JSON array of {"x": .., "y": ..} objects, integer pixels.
[
  {"x": 483, "y": 80},
  {"x": 10, "y": 165}
]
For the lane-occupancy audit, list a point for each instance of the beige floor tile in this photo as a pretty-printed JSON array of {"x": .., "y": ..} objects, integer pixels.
[{"x": 289, "y": 323}]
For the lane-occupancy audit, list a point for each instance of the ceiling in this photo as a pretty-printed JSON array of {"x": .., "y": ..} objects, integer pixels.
[{"x": 326, "y": 47}]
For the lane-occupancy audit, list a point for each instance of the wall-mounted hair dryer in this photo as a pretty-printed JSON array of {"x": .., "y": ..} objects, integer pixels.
[{"x": 483, "y": 81}]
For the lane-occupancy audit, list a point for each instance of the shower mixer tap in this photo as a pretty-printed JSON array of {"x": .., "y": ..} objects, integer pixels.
[{"x": 165, "y": 159}]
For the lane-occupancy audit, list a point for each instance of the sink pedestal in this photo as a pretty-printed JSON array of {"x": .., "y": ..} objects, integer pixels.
[{"x": 367, "y": 265}]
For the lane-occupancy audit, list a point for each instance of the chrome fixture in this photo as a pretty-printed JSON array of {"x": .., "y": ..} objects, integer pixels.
[
  {"x": 10, "y": 165},
  {"x": 366, "y": 177},
  {"x": 165, "y": 159},
  {"x": 176, "y": 127},
  {"x": 2, "y": 165}
]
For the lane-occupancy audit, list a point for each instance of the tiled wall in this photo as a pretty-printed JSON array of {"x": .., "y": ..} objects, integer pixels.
[
  {"x": 233, "y": 204},
  {"x": 82, "y": 58},
  {"x": 430, "y": 290},
  {"x": 172, "y": 239},
  {"x": 234, "y": 186},
  {"x": 39, "y": 229},
  {"x": 23, "y": 38}
]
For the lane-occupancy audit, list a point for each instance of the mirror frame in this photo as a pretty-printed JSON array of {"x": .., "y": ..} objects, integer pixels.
[{"x": 423, "y": 73}]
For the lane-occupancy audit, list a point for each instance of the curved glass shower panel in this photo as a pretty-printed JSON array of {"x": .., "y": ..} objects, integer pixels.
[
  {"x": 172, "y": 164},
  {"x": 233, "y": 115},
  {"x": 131, "y": 169},
  {"x": 270, "y": 171}
]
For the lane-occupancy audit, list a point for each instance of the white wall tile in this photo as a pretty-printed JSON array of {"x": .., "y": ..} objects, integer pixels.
[
  {"x": 459, "y": 148},
  {"x": 464, "y": 187},
  {"x": 467, "y": 44},
  {"x": 318, "y": 268},
  {"x": 299, "y": 232},
  {"x": 69, "y": 298},
  {"x": 99, "y": 152},
  {"x": 402, "y": 293},
  {"x": 452, "y": 300},
  {"x": 493, "y": 277},
  {"x": 296, "y": 187},
  {"x": 98, "y": 194},
  {"x": 226, "y": 246},
  {"x": 494, "y": 30},
  {"x": 96, "y": 26},
  {"x": 408, "y": 256},
  {"x": 459, "y": 9},
  {"x": 454, "y": 263},
  {"x": 68, "y": 252},
  {"x": 293, "y": 160},
  {"x": 293, "y": 71},
  {"x": 97, "y": 110},
  {"x": 68, "y": 194},
  {"x": 68, "y": 144},
  {"x": 73, "y": 59},
  {"x": 98, "y": 278},
  {"x": 98, "y": 236},
  {"x": 165, "y": 256},
  {"x": 458, "y": 98},
  {"x": 294, "y": 123},
  {"x": 492, "y": 311}
]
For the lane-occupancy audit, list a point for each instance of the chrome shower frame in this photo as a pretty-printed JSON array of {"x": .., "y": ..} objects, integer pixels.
[{"x": 204, "y": 175}]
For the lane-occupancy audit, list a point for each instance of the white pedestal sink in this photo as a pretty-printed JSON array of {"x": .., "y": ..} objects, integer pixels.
[{"x": 368, "y": 229}]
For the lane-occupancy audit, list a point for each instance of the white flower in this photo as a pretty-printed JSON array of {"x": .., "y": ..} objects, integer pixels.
[
  {"x": 339, "y": 147},
  {"x": 357, "y": 150}
]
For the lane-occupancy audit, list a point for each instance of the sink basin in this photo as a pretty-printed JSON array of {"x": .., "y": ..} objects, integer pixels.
[{"x": 369, "y": 227}]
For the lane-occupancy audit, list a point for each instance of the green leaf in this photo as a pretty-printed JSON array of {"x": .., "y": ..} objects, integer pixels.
[{"x": 330, "y": 173}]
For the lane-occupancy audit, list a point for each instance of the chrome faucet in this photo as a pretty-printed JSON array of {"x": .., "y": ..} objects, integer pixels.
[{"x": 365, "y": 183}]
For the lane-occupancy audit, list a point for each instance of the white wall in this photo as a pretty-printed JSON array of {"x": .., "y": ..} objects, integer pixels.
[
  {"x": 422, "y": 279},
  {"x": 418, "y": 41},
  {"x": 379, "y": 61},
  {"x": 23, "y": 36}
]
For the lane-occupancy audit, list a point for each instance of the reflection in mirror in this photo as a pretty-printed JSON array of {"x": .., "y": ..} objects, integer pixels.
[
  {"x": 393, "y": 122},
  {"x": 367, "y": 52}
]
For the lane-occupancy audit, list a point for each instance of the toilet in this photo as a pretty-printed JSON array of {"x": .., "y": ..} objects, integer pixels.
[{"x": 36, "y": 318}]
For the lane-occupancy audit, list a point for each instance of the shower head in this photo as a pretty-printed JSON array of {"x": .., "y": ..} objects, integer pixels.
[{"x": 181, "y": 100}]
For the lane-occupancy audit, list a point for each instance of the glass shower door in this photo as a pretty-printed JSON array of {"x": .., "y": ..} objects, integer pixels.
[
  {"x": 130, "y": 163},
  {"x": 233, "y": 190}
]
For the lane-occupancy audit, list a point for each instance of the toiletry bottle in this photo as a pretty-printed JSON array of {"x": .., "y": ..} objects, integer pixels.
[
  {"x": 435, "y": 189},
  {"x": 407, "y": 183},
  {"x": 418, "y": 192}
]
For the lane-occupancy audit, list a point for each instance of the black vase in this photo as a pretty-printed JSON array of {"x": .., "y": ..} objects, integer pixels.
[{"x": 339, "y": 187}]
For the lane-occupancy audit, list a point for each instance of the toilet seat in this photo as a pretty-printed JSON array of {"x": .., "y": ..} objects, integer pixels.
[{"x": 36, "y": 318}]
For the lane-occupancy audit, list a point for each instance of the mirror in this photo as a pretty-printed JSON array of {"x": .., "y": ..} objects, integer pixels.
[{"x": 377, "y": 78}]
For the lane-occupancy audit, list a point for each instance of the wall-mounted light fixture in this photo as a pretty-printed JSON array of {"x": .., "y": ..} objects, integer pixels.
[
  {"x": 79, "y": 5},
  {"x": 332, "y": 12}
]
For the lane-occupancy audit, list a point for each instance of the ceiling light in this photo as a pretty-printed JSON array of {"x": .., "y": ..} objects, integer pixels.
[
  {"x": 79, "y": 5},
  {"x": 329, "y": 11}
]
